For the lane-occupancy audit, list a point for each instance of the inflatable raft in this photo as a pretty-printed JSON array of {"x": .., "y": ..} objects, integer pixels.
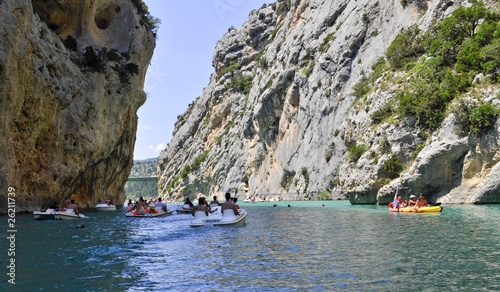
[{"x": 430, "y": 209}]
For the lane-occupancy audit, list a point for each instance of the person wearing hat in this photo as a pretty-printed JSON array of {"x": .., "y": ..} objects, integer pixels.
[{"x": 412, "y": 201}]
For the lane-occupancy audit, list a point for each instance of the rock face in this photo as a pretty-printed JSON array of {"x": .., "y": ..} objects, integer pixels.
[
  {"x": 279, "y": 111},
  {"x": 67, "y": 112}
]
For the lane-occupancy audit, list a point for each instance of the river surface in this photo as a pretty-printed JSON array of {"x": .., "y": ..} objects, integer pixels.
[{"x": 304, "y": 247}]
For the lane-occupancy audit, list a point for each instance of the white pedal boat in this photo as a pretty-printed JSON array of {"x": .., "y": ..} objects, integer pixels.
[
  {"x": 105, "y": 207},
  {"x": 218, "y": 218},
  {"x": 68, "y": 214},
  {"x": 151, "y": 214},
  {"x": 229, "y": 218},
  {"x": 48, "y": 214}
]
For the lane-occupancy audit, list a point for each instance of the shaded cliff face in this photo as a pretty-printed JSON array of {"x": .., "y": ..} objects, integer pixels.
[
  {"x": 279, "y": 112},
  {"x": 67, "y": 111}
]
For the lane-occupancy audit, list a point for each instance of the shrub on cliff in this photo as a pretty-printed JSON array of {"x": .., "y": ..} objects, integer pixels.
[
  {"x": 113, "y": 56},
  {"x": 382, "y": 113},
  {"x": 152, "y": 22},
  {"x": 355, "y": 151},
  {"x": 393, "y": 166},
  {"x": 475, "y": 119},
  {"x": 241, "y": 83},
  {"x": 126, "y": 71},
  {"x": 70, "y": 43},
  {"x": 441, "y": 63},
  {"x": 428, "y": 94},
  {"x": 483, "y": 118},
  {"x": 405, "y": 48},
  {"x": 364, "y": 85},
  {"x": 92, "y": 60},
  {"x": 447, "y": 38},
  {"x": 287, "y": 179},
  {"x": 238, "y": 81}
]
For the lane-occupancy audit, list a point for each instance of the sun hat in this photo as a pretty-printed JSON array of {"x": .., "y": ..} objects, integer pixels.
[{"x": 412, "y": 197}]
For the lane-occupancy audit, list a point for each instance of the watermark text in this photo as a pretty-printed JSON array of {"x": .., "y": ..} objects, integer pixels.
[
  {"x": 11, "y": 235},
  {"x": 223, "y": 6}
]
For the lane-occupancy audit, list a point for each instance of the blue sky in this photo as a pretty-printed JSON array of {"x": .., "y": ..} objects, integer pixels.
[{"x": 182, "y": 62}]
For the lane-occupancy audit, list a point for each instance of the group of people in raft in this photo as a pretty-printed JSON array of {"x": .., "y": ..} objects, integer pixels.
[
  {"x": 141, "y": 207},
  {"x": 229, "y": 204},
  {"x": 412, "y": 202}
]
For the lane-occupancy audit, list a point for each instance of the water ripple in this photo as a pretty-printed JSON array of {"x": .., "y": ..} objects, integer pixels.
[{"x": 341, "y": 247}]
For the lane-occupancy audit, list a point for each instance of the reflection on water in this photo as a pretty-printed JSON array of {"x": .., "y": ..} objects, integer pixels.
[{"x": 305, "y": 247}]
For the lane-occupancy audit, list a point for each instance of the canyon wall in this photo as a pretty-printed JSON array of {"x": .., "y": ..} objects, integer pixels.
[
  {"x": 279, "y": 114},
  {"x": 71, "y": 82}
]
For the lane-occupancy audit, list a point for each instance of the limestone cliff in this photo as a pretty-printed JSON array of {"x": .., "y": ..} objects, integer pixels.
[
  {"x": 279, "y": 113},
  {"x": 71, "y": 79}
]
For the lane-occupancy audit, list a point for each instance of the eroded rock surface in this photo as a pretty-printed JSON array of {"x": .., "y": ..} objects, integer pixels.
[
  {"x": 279, "y": 113},
  {"x": 67, "y": 116}
]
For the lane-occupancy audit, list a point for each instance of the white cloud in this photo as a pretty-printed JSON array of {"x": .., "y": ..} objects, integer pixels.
[{"x": 156, "y": 149}]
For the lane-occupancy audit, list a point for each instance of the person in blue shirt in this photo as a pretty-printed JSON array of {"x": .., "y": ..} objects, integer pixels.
[
  {"x": 161, "y": 205},
  {"x": 398, "y": 203}
]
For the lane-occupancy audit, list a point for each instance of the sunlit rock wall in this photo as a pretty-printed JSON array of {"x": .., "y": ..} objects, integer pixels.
[
  {"x": 279, "y": 113},
  {"x": 67, "y": 121}
]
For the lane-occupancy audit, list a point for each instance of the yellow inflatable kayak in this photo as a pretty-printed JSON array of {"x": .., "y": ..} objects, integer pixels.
[{"x": 430, "y": 209}]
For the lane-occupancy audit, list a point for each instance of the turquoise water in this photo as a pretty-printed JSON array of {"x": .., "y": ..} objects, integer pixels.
[{"x": 305, "y": 247}]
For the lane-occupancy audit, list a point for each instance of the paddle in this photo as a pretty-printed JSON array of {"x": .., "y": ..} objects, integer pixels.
[{"x": 391, "y": 204}]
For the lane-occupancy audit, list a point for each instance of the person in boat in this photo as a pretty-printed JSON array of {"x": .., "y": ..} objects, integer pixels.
[
  {"x": 54, "y": 206},
  {"x": 412, "y": 201},
  {"x": 402, "y": 203},
  {"x": 161, "y": 205},
  {"x": 398, "y": 203},
  {"x": 215, "y": 201},
  {"x": 188, "y": 202},
  {"x": 130, "y": 205},
  {"x": 234, "y": 199},
  {"x": 141, "y": 206},
  {"x": 422, "y": 202},
  {"x": 73, "y": 206},
  {"x": 202, "y": 206},
  {"x": 66, "y": 204},
  {"x": 229, "y": 205}
]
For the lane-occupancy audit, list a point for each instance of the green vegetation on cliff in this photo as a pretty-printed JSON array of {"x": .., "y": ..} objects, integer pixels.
[
  {"x": 144, "y": 168},
  {"x": 440, "y": 66},
  {"x": 152, "y": 22}
]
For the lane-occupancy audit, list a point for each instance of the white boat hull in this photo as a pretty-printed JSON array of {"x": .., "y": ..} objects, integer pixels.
[
  {"x": 218, "y": 218},
  {"x": 184, "y": 209},
  {"x": 105, "y": 207},
  {"x": 68, "y": 215},
  {"x": 44, "y": 215},
  {"x": 233, "y": 219}
]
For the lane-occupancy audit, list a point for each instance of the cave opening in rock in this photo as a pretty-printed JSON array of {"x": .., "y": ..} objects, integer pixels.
[
  {"x": 104, "y": 17},
  {"x": 101, "y": 23}
]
